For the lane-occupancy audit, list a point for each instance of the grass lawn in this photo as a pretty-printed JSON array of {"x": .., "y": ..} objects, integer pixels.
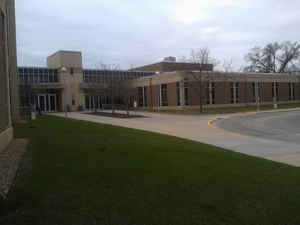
[
  {"x": 224, "y": 110},
  {"x": 77, "y": 172}
]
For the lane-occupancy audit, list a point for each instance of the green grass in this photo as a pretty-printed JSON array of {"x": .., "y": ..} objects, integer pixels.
[
  {"x": 78, "y": 172},
  {"x": 226, "y": 110}
]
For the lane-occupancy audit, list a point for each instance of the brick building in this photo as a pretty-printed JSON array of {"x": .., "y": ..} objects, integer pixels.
[
  {"x": 65, "y": 85},
  {"x": 8, "y": 72},
  {"x": 179, "y": 90}
]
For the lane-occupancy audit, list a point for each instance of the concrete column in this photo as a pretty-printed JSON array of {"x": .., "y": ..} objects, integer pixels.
[
  {"x": 12, "y": 57},
  {"x": 6, "y": 66}
]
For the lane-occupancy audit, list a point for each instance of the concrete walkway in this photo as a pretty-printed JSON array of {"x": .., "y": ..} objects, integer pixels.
[
  {"x": 197, "y": 128},
  {"x": 10, "y": 160}
]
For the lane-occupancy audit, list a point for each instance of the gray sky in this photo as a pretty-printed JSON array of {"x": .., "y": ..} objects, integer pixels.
[{"x": 138, "y": 32}]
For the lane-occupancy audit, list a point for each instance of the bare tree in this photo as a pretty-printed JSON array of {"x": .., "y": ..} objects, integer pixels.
[
  {"x": 273, "y": 58},
  {"x": 125, "y": 92},
  {"x": 202, "y": 57},
  {"x": 227, "y": 65},
  {"x": 111, "y": 82}
]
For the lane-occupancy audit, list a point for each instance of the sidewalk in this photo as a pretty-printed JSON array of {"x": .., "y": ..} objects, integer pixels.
[{"x": 196, "y": 128}]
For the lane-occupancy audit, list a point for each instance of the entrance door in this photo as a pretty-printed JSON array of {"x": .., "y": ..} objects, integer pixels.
[
  {"x": 52, "y": 103},
  {"x": 42, "y": 102}
]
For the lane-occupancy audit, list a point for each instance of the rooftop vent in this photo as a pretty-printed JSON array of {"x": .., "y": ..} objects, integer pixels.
[{"x": 170, "y": 59}]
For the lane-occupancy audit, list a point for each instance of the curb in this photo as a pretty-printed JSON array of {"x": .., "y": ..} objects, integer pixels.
[
  {"x": 243, "y": 115},
  {"x": 211, "y": 122},
  {"x": 240, "y": 115},
  {"x": 246, "y": 114}
]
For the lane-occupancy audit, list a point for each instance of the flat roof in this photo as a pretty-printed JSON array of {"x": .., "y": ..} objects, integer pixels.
[{"x": 65, "y": 51}]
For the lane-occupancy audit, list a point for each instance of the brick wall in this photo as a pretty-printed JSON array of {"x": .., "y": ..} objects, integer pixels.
[
  {"x": 267, "y": 92},
  {"x": 283, "y": 91},
  {"x": 244, "y": 92},
  {"x": 172, "y": 100},
  {"x": 222, "y": 93}
]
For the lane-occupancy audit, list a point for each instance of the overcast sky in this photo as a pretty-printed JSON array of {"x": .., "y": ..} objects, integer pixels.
[{"x": 138, "y": 32}]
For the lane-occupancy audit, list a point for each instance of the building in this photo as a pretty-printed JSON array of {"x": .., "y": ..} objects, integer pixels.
[
  {"x": 8, "y": 73},
  {"x": 180, "y": 90},
  {"x": 65, "y": 85},
  {"x": 169, "y": 64}
]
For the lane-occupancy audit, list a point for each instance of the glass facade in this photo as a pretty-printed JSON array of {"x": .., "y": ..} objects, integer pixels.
[
  {"x": 164, "y": 95},
  {"x": 186, "y": 91},
  {"x": 37, "y": 75},
  {"x": 140, "y": 97},
  {"x": 210, "y": 93},
  {"x": 178, "y": 94},
  {"x": 275, "y": 91},
  {"x": 256, "y": 92},
  {"x": 234, "y": 93},
  {"x": 292, "y": 96},
  {"x": 104, "y": 76},
  {"x": 145, "y": 97}
]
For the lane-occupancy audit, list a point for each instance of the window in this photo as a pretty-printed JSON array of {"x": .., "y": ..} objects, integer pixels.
[
  {"x": 51, "y": 78},
  {"x": 71, "y": 71},
  {"x": 256, "y": 94},
  {"x": 237, "y": 93},
  {"x": 145, "y": 97},
  {"x": 87, "y": 102},
  {"x": 21, "y": 77},
  {"x": 46, "y": 78},
  {"x": 164, "y": 95},
  {"x": 213, "y": 93},
  {"x": 178, "y": 94},
  {"x": 234, "y": 93},
  {"x": 210, "y": 93},
  {"x": 34, "y": 75},
  {"x": 73, "y": 100},
  {"x": 207, "y": 93},
  {"x": 186, "y": 91},
  {"x": 35, "y": 78},
  {"x": 275, "y": 91},
  {"x": 292, "y": 96},
  {"x": 140, "y": 97}
]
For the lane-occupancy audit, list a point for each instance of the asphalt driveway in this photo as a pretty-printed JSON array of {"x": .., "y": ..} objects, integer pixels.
[{"x": 284, "y": 126}]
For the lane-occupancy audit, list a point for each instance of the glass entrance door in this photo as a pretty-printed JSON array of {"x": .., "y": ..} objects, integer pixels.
[
  {"x": 47, "y": 103},
  {"x": 42, "y": 104},
  {"x": 52, "y": 103}
]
